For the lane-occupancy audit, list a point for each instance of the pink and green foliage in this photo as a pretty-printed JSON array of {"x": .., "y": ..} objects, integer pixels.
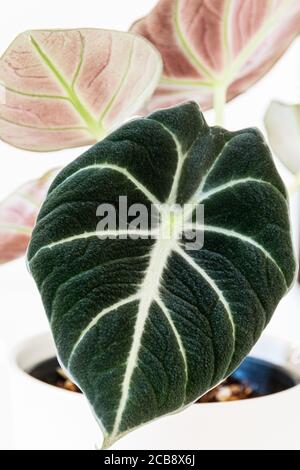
[
  {"x": 67, "y": 88},
  {"x": 216, "y": 49},
  {"x": 18, "y": 213}
]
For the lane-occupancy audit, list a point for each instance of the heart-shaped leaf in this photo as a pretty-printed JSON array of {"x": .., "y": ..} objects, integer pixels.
[
  {"x": 66, "y": 88},
  {"x": 18, "y": 213},
  {"x": 145, "y": 324},
  {"x": 282, "y": 123},
  {"x": 216, "y": 48}
]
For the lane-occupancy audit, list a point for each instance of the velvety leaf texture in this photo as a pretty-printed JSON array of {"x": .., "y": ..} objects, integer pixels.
[
  {"x": 146, "y": 326},
  {"x": 208, "y": 44},
  {"x": 18, "y": 213},
  {"x": 67, "y": 88}
]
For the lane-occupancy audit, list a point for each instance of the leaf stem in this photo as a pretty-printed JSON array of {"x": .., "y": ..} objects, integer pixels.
[{"x": 220, "y": 92}]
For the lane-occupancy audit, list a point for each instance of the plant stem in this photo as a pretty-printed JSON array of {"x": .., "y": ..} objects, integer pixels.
[
  {"x": 220, "y": 92},
  {"x": 295, "y": 185}
]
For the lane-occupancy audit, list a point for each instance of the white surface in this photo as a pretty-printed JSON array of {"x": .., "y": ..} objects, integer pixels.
[
  {"x": 20, "y": 305},
  {"x": 46, "y": 417},
  {"x": 6, "y": 428}
]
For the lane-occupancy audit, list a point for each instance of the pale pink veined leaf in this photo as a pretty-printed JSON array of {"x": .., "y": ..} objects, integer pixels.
[
  {"x": 282, "y": 123},
  {"x": 216, "y": 46},
  {"x": 18, "y": 213},
  {"x": 67, "y": 88}
]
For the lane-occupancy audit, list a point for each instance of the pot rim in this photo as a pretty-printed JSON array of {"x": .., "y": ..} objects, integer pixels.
[
  {"x": 14, "y": 356},
  {"x": 23, "y": 345}
]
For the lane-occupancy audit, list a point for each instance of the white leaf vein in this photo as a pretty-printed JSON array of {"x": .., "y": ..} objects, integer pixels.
[
  {"x": 97, "y": 318},
  {"x": 168, "y": 315},
  {"x": 240, "y": 236},
  {"x": 119, "y": 169},
  {"x": 211, "y": 283},
  {"x": 105, "y": 234}
]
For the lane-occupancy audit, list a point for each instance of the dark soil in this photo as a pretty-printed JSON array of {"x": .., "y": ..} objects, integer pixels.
[{"x": 231, "y": 389}]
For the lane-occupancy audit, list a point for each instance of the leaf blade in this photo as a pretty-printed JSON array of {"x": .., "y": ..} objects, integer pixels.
[
  {"x": 205, "y": 46},
  {"x": 143, "y": 326},
  {"x": 84, "y": 81},
  {"x": 18, "y": 213}
]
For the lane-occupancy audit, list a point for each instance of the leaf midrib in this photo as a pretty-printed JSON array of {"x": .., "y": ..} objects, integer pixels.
[
  {"x": 231, "y": 68},
  {"x": 149, "y": 291},
  {"x": 95, "y": 128}
]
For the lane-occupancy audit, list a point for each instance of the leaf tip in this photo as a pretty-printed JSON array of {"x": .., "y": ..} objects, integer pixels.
[{"x": 108, "y": 441}]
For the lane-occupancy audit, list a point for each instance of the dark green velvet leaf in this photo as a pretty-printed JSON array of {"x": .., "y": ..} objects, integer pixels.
[{"x": 146, "y": 326}]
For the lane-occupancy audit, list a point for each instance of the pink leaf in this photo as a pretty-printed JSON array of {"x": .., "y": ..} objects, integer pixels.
[
  {"x": 18, "y": 214},
  {"x": 212, "y": 44},
  {"x": 67, "y": 88}
]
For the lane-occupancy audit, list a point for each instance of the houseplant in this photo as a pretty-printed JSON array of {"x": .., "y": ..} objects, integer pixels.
[
  {"x": 71, "y": 426},
  {"x": 242, "y": 59},
  {"x": 67, "y": 88},
  {"x": 145, "y": 326},
  {"x": 215, "y": 51}
]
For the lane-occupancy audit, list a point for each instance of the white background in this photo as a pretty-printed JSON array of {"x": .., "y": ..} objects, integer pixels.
[{"x": 21, "y": 311}]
